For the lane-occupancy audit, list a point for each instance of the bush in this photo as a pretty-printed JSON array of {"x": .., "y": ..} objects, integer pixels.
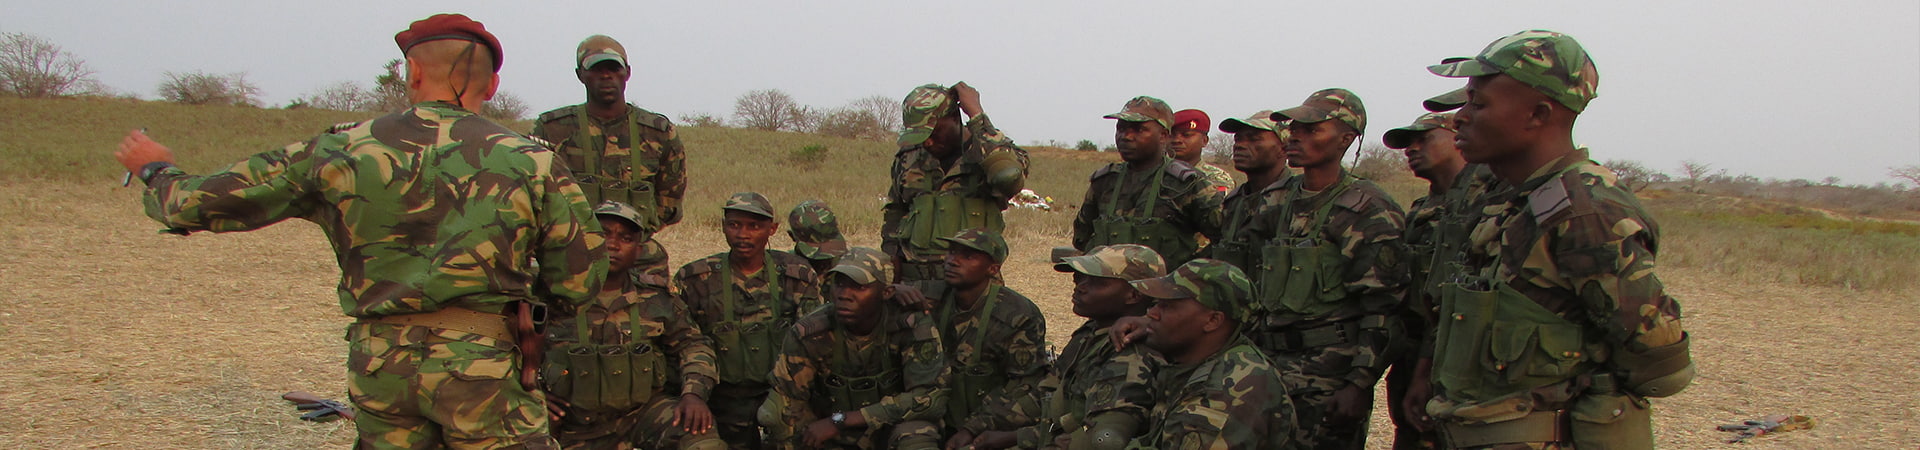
[
  {"x": 504, "y": 107},
  {"x": 1379, "y": 163},
  {"x": 1633, "y": 176},
  {"x": 771, "y": 110},
  {"x": 1086, "y": 145},
  {"x": 201, "y": 88},
  {"x": 31, "y": 67},
  {"x": 701, "y": 119},
  {"x": 809, "y": 156}
]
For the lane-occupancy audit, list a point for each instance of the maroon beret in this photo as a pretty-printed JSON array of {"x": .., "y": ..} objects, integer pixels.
[
  {"x": 449, "y": 26},
  {"x": 1191, "y": 119}
]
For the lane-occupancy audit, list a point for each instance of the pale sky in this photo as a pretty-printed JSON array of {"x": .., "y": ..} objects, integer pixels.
[{"x": 1780, "y": 89}]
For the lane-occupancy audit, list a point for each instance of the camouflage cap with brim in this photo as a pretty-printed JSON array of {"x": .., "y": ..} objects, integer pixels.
[
  {"x": 1403, "y": 136},
  {"x": 1124, "y": 261},
  {"x": 1262, "y": 120},
  {"x": 1551, "y": 62},
  {"x": 1145, "y": 109},
  {"x": 626, "y": 213},
  {"x": 1449, "y": 101},
  {"x": 981, "y": 239},
  {"x": 750, "y": 202},
  {"x": 598, "y": 49},
  {"x": 1333, "y": 103},
  {"x": 1217, "y": 285},
  {"x": 815, "y": 232},
  {"x": 864, "y": 266},
  {"x": 923, "y": 106}
]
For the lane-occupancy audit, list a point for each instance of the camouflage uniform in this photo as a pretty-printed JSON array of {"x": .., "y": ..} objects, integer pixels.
[
  {"x": 746, "y": 315},
  {"x": 1330, "y": 285},
  {"x": 931, "y": 199},
  {"x": 1216, "y": 176},
  {"x": 1096, "y": 394},
  {"x": 895, "y": 377},
  {"x": 1233, "y": 399},
  {"x": 1559, "y": 330},
  {"x": 1241, "y": 230},
  {"x": 1164, "y": 210},
  {"x": 996, "y": 351},
  {"x": 816, "y": 237}
]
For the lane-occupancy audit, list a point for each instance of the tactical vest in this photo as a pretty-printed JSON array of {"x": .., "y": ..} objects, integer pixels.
[
  {"x": 609, "y": 377},
  {"x": 938, "y": 215},
  {"x": 971, "y": 382},
  {"x": 1163, "y": 236},
  {"x": 850, "y": 386},
  {"x": 1233, "y": 248},
  {"x": 602, "y": 185},
  {"x": 746, "y": 350},
  {"x": 1446, "y": 243},
  {"x": 1301, "y": 276}
]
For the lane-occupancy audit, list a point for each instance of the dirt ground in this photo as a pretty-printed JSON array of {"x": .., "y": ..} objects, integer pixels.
[{"x": 123, "y": 338}]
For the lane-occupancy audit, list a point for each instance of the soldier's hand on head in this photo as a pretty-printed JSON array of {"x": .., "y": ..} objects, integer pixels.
[
  {"x": 968, "y": 98},
  {"x": 911, "y": 298},
  {"x": 961, "y": 439},
  {"x": 994, "y": 440},
  {"x": 692, "y": 415},
  {"x": 1129, "y": 330},
  {"x": 137, "y": 150},
  {"x": 818, "y": 433}
]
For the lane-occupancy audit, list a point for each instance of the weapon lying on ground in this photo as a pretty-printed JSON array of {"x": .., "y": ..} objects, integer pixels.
[
  {"x": 318, "y": 409},
  {"x": 1769, "y": 424}
]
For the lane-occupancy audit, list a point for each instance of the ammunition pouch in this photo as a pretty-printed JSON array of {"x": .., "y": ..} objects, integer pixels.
[
  {"x": 1176, "y": 246},
  {"x": 600, "y": 186},
  {"x": 969, "y": 387},
  {"x": 1239, "y": 253},
  {"x": 847, "y": 393},
  {"x": 1659, "y": 371},
  {"x": 1494, "y": 343},
  {"x": 1611, "y": 420},
  {"x": 606, "y": 377},
  {"x": 934, "y": 216},
  {"x": 747, "y": 350},
  {"x": 1301, "y": 277},
  {"x": 1537, "y": 426}
]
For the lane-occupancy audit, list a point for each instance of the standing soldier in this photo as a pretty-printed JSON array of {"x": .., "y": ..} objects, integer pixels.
[
  {"x": 615, "y": 360},
  {"x": 862, "y": 373},
  {"x": 816, "y": 237},
  {"x": 1220, "y": 390},
  {"x": 1257, "y": 152},
  {"x": 1331, "y": 279},
  {"x": 1190, "y": 128},
  {"x": 618, "y": 151},
  {"x": 745, "y": 298},
  {"x": 1560, "y": 330},
  {"x": 946, "y": 178},
  {"x": 428, "y": 212},
  {"x": 1148, "y": 198}
]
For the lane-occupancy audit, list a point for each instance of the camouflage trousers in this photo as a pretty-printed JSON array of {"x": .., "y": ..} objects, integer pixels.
[
  {"x": 419, "y": 387},
  {"x": 908, "y": 435},
  {"x": 647, "y": 427},
  {"x": 1306, "y": 376},
  {"x": 735, "y": 414}
]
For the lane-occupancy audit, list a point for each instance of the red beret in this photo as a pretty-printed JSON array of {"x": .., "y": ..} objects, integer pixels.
[
  {"x": 1191, "y": 119},
  {"x": 449, "y": 26}
]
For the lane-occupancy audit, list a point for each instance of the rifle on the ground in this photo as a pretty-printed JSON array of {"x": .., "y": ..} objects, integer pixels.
[{"x": 318, "y": 409}]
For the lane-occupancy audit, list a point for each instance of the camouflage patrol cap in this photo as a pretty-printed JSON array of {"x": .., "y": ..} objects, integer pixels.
[
  {"x": 815, "y": 233},
  {"x": 1146, "y": 109},
  {"x": 865, "y": 266},
  {"x": 597, "y": 49},
  {"x": 984, "y": 240},
  {"x": 1551, "y": 62},
  {"x": 1215, "y": 284},
  {"x": 751, "y": 202},
  {"x": 1124, "y": 261},
  {"x": 621, "y": 211},
  {"x": 1331, "y": 103},
  {"x": 1449, "y": 101},
  {"x": 1262, "y": 120},
  {"x": 1403, "y": 136},
  {"x": 923, "y": 106}
]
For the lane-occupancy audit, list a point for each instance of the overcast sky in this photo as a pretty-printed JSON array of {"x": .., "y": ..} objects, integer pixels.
[{"x": 1782, "y": 89}]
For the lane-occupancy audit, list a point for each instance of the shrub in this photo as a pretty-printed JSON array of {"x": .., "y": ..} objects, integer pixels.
[
  {"x": 1086, "y": 145},
  {"x": 201, "y": 88}
]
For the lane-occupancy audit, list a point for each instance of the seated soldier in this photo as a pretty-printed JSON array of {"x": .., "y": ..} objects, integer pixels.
[
  {"x": 1219, "y": 391},
  {"x": 861, "y": 374},
  {"x": 607, "y": 376}
]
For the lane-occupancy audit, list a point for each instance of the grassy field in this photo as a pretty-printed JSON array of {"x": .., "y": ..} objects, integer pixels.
[{"x": 121, "y": 337}]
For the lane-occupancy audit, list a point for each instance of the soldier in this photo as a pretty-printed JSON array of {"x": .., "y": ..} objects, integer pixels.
[
  {"x": 946, "y": 178},
  {"x": 1432, "y": 238},
  {"x": 859, "y": 374},
  {"x": 618, "y": 151},
  {"x": 1098, "y": 395},
  {"x": 1148, "y": 198},
  {"x": 1220, "y": 391},
  {"x": 816, "y": 237},
  {"x": 1331, "y": 279},
  {"x": 608, "y": 373},
  {"x": 745, "y": 298},
  {"x": 432, "y": 255},
  {"x": 1190, "y": 127},
  {"x": 1257, "y": 152},
  {"x": 995, "y": 337},
  {"x": 1559, "y": 330}
]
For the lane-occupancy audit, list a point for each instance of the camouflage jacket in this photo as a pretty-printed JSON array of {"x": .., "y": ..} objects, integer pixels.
[
  {"x": 663, "y": 322},
  {"x": 905, "y": 342},
  {"x": 418, "y": 220},
  {"x": 1012, "y": 342},
  {"x": 1241, "y": 230},
  {"x": 1091, "y": 382},
  {"x": 700, "y": 285},
  {"x": 664, "y": 160},
  {"x": 1216, "y": 176},
  {"x": 916, "y": 172},
  {"x": 1186, "y": 199},
  {"x": 1232, "y": 400},
  {"x": 1426, "y": 247},
  {"x": 1578, "y": 244}
]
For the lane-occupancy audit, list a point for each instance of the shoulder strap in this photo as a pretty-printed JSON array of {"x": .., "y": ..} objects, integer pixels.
[{"x": 590, "y": 150}]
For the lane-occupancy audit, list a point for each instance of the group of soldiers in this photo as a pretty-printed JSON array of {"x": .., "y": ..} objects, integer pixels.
[{"x": 1515, "y": 307}]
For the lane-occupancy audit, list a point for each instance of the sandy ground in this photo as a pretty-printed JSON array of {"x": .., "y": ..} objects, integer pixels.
[{"x": 123, "y": 338}]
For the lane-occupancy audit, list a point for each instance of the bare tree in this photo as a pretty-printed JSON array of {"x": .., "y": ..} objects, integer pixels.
[
  {"x": 1695, "y": 172},
  {"x": 32, "y": 67},
  {"x": 1377, "y": 162},
  {"x": 504, "y": 107},
  {"x": 769, "y": 109},
  {"x": 389, "y": 89},
  {"x": 885, "y": 112},
  {"x": 201, "y": 88},
  {"x": 341, "y": 96},
  {"x": 1909, "y": 173},
  {"x": 1632, "y": 175},
  {"x": 700, "y": 119},
  {"x": 1219, "y": 149}
]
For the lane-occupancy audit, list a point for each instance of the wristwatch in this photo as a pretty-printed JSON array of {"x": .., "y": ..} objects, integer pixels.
[
  {"x": 839, "y": 419},
  {"x": 153, "y": 168}
]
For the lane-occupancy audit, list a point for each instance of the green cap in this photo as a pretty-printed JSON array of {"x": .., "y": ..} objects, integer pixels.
[
  {"x": 1262, "y": 120},
  {"x": 599, "y": 48},
  {"x": 622, "y": 211},
  {"x": 1403, "y": 136},
  {"x": 865, "y": 266},
  {"x": 984, "y": 240},
  {"x": 751, "y": 202},
  {"x": 1551, "y": 62},
  {"x": 815, "y": 233},
  {"x": 1332, "y": 103},
  {"x": 1146, "y": 109},
  {"x": 1214, "y": 283},
  {"x": 1449, "y": 101},
  {"x": 925, "y": 105},
  {"x": 1124, "y": 261}
]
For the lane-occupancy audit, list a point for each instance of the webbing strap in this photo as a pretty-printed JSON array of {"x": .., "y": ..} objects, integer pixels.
[
  {"x": 1318, "y": 220},
  {"x": 597, "y": 148},
  {"x": 991, "y": 298},
  {"x": 726, "y": 288},
  {"x": 1148, "y": 199}
]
